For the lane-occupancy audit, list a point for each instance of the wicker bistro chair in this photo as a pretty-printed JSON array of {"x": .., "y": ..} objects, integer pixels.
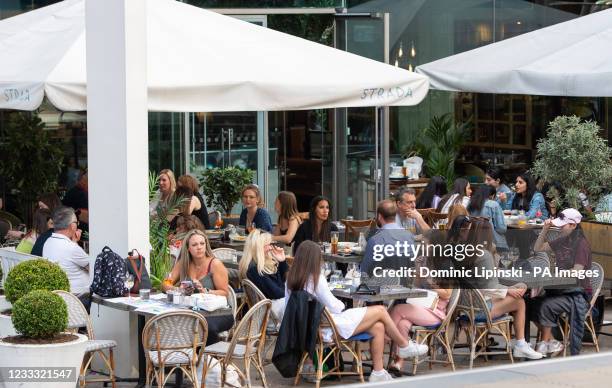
[
  {"x": 227, "y": 254},
  {"x": 175, "y": 340},
  {"x": 233, "y": 304},
  {"x": 354, "y": 227},
  {"x": 474, "y": 318},
  {"x": 253, "y": 295},
  {"x": 434, "y": 218},
  {"x": 564, "y": 321},
  {"x": 437, "y": 334},
  {"x": 78, "y": 318},
  {"x": 329, "y": 338},
  {"x": 247, "y": 344}
]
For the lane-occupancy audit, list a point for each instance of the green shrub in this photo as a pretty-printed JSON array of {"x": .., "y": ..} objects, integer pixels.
[
  {"x": 34, "y": 275},
  {"x": 40, "y": 314}
]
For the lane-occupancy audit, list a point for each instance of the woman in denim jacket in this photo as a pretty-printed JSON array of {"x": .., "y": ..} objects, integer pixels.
[{"x": 526, "y": 198}]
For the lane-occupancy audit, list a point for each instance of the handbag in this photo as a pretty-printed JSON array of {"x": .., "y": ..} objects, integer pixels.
[{"x": 136, "y": 266}]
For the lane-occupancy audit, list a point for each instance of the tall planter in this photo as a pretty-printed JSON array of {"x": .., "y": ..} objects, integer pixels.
[
  {"x": 599, "y": 235},
  {"x": 67, "y": 355}
]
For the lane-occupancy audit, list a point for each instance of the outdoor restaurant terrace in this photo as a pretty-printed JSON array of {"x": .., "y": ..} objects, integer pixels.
[{"x": 430, "y": 265}]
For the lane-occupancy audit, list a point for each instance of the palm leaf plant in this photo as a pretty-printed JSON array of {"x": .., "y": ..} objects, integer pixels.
[{"x": 159, "y": 229}]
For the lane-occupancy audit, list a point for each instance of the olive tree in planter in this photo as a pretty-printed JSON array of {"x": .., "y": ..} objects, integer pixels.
[
  {"x": 222, "y": 186},
  {"x": 573, "y": 154},
  {"x": 41, "y": 317},
  {"x": 27, "y": 276},
  {"x": 30, "y": 162}
]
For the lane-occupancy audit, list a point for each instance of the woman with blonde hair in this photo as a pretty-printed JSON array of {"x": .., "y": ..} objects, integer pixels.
[
  {"x": 167, "y": 187},
  {"x": 264, "y": 264},
  {"x": 254, "y": 214},
  {"x": 289, "y": 219},
  {"x": 208, "y": 275}
]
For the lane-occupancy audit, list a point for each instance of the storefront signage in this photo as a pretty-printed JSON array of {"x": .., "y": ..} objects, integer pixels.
[
  {"x": 379, "y": 93},
  {"x": 11, "y": 95}
]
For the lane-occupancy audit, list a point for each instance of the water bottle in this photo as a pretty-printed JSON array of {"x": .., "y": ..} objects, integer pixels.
[{"x": 362, "y": 241}]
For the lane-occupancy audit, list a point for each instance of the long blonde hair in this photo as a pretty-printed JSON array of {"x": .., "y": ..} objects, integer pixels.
[
  {"x": 185, "y": 258},
  {"x": 172, "y": 180},
  {"x": 254, "y": 251}
]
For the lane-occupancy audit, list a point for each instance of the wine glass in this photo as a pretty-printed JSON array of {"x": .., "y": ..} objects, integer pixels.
[{"x": 128, "y": 282}]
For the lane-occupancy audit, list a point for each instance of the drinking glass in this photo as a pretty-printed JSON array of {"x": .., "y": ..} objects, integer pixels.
[
  {"x": 336, "y": 277},
  {"x": 505, "y": 259},
  {"x": 129, "y": 283}
]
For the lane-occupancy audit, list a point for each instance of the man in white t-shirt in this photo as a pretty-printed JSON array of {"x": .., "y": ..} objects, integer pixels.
[{"x": 61, "y": 248}]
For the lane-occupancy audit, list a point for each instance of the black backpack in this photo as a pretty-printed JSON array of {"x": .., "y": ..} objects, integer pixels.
[{"x": 109, "y": 273}]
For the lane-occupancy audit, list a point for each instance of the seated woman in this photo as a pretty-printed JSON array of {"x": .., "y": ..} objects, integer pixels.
[
  {"x": 317, "y": 227},
  {"x": 500, "y": 299},
  {"x": 265, "y": 265},
  {"x": 493, "y": 178},
  {"x": 305, "y": 275},
  {"x": 288, "y": 217},
  {"x": 167, "y": 187},
  {"x": 572, "y": 251},
  {"x": 197, "y": 207},
  {"x": 254, "y": 213},
  {"x": 482, "y": 204},
  {"x": 406, "y": 315},
  {"x": 432, "y": 194},
  {"x": 197, "y": 264},
  {"x": 526, "y": 198},
  {"x": 41, "y": 223},
  {"x": 460, "y": 193}
]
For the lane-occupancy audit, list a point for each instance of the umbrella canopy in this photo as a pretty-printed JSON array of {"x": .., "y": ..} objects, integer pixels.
[
  {"x": 572, "y": 58},
  {"x": 197, "y": 60}
]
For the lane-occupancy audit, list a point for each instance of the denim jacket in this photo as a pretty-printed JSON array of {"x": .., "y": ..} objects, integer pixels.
[
  {"x": 537, "y": 203},
  {"x": 493, "y": 211}
]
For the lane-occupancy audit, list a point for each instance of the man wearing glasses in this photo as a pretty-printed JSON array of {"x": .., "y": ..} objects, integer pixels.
[
  {"x": 407, "y": 215},
  {"x": 62, "y": 248}
]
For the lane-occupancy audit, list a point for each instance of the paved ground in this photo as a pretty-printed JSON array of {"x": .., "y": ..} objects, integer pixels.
[{"x": 567, "y": 372}]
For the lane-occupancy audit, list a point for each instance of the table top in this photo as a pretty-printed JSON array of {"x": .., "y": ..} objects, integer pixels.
[
  {"x": 217, "y": 243},
  {"x": 525, "y": 226},
  {"x": 346, "y": 259},
  {"x": 534, "y": 282},
  {"x": 163, "y": 305},
  {"x": 384, "y": 295}
]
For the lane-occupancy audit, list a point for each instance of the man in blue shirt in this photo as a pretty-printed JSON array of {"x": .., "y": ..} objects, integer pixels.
[{"x": 392, "y": 247}]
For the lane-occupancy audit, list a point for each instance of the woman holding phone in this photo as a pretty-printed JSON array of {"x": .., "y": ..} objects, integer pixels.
[{"x": 199, "y": 271}]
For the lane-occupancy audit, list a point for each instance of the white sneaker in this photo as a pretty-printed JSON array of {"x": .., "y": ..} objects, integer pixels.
[
  {"x": 383, "y": 375},
  {"x": 552, "y": 346},
  {"x": 525, "y": 351},
  {"x": 412, "y": 350}
]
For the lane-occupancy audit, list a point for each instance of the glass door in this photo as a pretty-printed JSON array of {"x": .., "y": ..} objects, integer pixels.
[{"x": 359, "y": 171}]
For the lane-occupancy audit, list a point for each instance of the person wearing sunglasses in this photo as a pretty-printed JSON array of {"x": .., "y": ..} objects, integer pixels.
[
  {"x": 572, "y": 252},
  {"x": 62, "y": 248}
]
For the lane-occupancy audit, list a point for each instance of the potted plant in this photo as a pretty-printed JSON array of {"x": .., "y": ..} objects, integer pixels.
[
  {"x": 439, "y": 146},
  {"x": 159, "y": 229},
  {"x": 574, "y": 155},
  {"x": 41, "y": 317},
  {"x": 30, "y": 162},
  {"x": 222, "y": 186},
  {"x": 27, "y": 276}
]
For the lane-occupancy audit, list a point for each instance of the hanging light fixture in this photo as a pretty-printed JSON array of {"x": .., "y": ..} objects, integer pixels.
[
  {"x": 396, "y": 62},
  {"x": 412, "y": 50},
  {"x": 400, "y": 52},
  {"x": 410, "y": 67}
]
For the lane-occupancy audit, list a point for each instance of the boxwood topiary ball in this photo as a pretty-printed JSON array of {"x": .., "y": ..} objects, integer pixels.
[
  {"x": 34, "y": 275},
  {"x": 40, "y": 314}
]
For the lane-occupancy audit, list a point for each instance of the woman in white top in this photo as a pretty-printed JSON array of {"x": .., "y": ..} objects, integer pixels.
[
  {"x": 305, "y": 274},
  {"x": 460, "y": 193}
]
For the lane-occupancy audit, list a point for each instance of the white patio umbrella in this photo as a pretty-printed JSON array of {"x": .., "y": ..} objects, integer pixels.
[
  {"x": 572, "y": 58},
  {"x": 198, "y": 60}
]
